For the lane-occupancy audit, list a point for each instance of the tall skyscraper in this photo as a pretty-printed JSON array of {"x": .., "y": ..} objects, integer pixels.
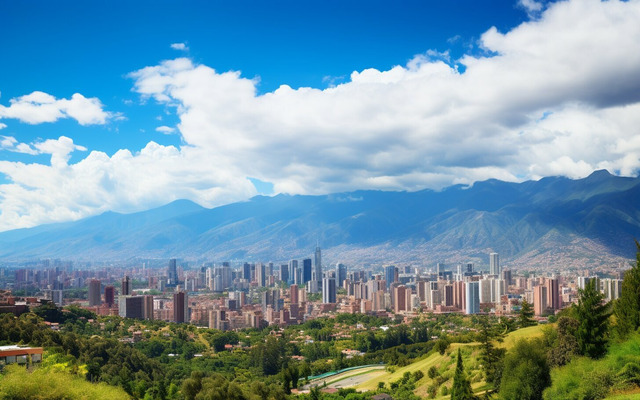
[
  {"x": 246, "y": 271},
  {"x": 293, "y": 266},
  {"x": 180, "y": 307},
  {"x": 306, "y": 270},
  {"x": 95, "y": 287},
  {"x": 390, "y": 274},
  {"x": 494, "y": 264},
  {"x": 329, "y": 290},
  {"x": 553, "y": 293},
  {"x": 540, "y": 299},
  {"x": 318, "y": 266},
  {"x": 125, "y": 289},
  {"x": 284, "y": 273},
  {"x": 472, "y": 297},
  {"x": 172, "y": 272},
  {"x": 293, "y": 294},
  {"x": 399, "y": 298},
  {"x": 110, "y": 295},
  {"x": 260, "y": 274},
  {"x": 341, "y": 274}
]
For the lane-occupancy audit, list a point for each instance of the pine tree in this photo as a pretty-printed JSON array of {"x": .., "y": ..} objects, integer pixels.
[
  {"x": 490, "y": 356},
  {"x": 592, "y": 316},
  {"x": 461, "y": 389},
  {"x": 525, "y": 318},
  {"x": 627, "y": 308}
]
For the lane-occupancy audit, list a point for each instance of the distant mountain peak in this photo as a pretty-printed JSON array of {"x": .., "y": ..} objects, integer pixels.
[{"x": 600, "y": 174}]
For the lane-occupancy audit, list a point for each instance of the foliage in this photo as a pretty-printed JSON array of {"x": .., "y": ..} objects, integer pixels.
[
  {"x": 528, "y": 371},
  {"x": 525, "y": 317},
  {"x": 627, "y": 308},
  {"x": 565, "y": 345},
  {"x": 592, "y": 316},
  {"x": 585, "y": 378},
  {"x": 490, "y": 356},
  {"x": 461, "y": 389},
  {"x": 42, "y": 384}
]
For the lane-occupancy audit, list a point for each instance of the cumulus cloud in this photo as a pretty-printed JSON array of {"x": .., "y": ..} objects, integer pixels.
[
  {"x": 167, "y": 130},
  {"x": 39, "y": 107},
  {"x": 558, "y": 95},
  {"x": 180, "y": 46}
]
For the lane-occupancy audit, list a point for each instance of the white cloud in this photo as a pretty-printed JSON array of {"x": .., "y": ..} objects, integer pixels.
[
  {"x": 180, "y": 46},
  {"x": 40, "y": 107},
  {"x": 559, "y": 95},
  {"x": 167, "y": 130},
  {"x": 532, "y": 7},
  {"x": 2, "y": 126}
]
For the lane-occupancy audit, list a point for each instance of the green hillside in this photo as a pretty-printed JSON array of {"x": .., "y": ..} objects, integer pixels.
[
  {"x": 43, "y": 384},
  {"x": 445, "y": 365}
]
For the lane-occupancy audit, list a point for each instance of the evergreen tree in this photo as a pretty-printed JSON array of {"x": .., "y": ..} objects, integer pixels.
[
  {"x": 525, "y": 318},
  {"x": 490, "y": 356},
  {"x": 592, "y": 316},
  {"x": 461, "y": 389},
  {"x": 627, "y": 308}
]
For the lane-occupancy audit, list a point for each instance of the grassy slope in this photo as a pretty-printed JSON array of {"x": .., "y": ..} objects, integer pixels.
[
  {"x": 446, "y": 363},
  {"x": 18, "y": 383}
]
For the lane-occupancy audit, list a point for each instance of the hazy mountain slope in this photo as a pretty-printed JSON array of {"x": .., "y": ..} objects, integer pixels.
[{"x": 555, "y": 218}]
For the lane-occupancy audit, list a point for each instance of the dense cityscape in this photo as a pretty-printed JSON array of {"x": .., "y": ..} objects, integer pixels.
[{"x": 256, "y": 295}]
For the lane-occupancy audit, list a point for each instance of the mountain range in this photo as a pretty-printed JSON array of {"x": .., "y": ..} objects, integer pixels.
[{"x": 554, "y": 222}]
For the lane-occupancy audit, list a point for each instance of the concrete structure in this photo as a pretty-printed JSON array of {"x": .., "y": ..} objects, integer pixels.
[
  {"x": 472, "y": 296},
  {"x": 95, "y": 287}
]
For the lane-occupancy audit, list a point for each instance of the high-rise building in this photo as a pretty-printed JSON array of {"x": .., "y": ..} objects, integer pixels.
[
  {"x": 284, "y": 273},
  {"x": 131, "y": 307},
  {"x": 472, "y": 296},
  {"x": 95, "y": 287},
  {"x": 553, "y": 293},
  {"x": 180, "y": 307},
  {"x": 293, "y": 294},
  {"x": 485, "y": 290},
  {"x": 506, "y": 275},
  {"x": 494, "y": 264},
  {"x": 246, "y": 271},
  {"x": 147, "y": 307},
  {"x": 125, "y": 287},
  {"x": 318, "y": 266},
  {"x": 540, "y": 299},
  {"x": 110, "y": 296},
  {"x": 172, "y": 272},
  {"x": 306, "y": 270},
  {"x": 400, "y": 298},
  {"x": 329, "y": 290},
  {"x": 341, "y": 274},
  {"x": 293, "y": 266},
  {"x": 260, "y": 274},
  {"x": 390, "y": 274}
]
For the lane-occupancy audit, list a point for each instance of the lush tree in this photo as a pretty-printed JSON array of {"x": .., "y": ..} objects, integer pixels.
[
  {"x": 528, "y": 371},
  {"x": 490, "y": 356},
  {"x": 627, "y": 308},
  {"x": 566, "y": 344},
  {"x": 593, "y": 317},
  {"x": 525, "y": 317},
  {"x": 461, "y": 389}
]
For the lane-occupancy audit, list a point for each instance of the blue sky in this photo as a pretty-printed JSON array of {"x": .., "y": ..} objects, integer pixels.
[
  {"x": 130, "y": 105},
  {"x": 68, "y": 47}
]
